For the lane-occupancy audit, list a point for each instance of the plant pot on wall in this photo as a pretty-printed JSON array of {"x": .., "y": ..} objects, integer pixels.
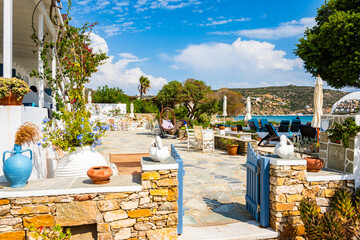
[
  {"x": 100, "y": 174},
  {"x": 232, "y": 149},
  {"x": 234, "y": 129},
  {"x": 314, "y": 164},
  {"x": 12, "y": 100},
  {"x": 222, "y": 128}
]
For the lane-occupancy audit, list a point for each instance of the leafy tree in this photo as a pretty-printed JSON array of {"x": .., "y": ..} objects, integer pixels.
[
  {"x": 141, "y": 106},
  {"x": 143, "y": 86},
  {"x": 234, "y": 101},
  {"x": 332, "y": 47},
  {"x": 170, "y": 94},
  {"x": 109, "y": 95}
]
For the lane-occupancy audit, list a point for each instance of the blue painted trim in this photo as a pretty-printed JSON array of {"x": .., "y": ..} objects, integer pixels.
[
  {"x": 180, "y": 201},
  {"x": 264, "y": 191}
]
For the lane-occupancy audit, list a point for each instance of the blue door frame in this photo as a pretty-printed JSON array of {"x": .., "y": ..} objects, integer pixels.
[
  {"x": 258, "y": 186},
  {"x": 180, "y": 201}
]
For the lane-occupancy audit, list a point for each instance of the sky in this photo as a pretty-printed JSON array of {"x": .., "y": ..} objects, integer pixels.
[{"x": 225, "y": 43}]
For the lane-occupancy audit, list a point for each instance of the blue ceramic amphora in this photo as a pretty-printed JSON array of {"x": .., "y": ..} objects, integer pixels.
[{"x": 18, "y": 167}]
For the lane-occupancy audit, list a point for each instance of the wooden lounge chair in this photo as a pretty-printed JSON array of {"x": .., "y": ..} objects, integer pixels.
[{"x": 272, "y": 136}]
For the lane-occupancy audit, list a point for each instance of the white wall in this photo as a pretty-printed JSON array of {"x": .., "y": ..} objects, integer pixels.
[{"x": 11, "y": 117}]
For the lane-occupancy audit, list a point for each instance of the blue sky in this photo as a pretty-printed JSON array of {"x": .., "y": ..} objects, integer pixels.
[{"x": 226, "y": 43}]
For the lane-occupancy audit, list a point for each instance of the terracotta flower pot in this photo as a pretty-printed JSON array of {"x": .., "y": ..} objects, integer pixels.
[
  {"x": 100, "y": 174},
  {"x": 314, "y": 164},
  {"x": 234, "y": 129},
  {"x": 11, "y": 100},
  {"x": 232, "y": 149},
  {"x": 222, "y": 127}
]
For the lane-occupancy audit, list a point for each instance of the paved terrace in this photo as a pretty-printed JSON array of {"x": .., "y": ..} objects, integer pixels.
[{"x": 214, "y": 186}]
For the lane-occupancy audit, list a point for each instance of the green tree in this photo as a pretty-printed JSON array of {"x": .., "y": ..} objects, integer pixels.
[
  {"x": 170, "y": 94},
  {"x": 144, "y": 86},
  {"x": 234, "y": 101},
  {"x": 332, "y": 47},
  {"x": 109, "y": 95}
]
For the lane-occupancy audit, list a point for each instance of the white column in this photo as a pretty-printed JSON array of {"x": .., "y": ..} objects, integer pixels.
[
  {"x": 53, "y": 75},
  {"x": 7, "y": 38},
  {"x": 40, "y": 63}
]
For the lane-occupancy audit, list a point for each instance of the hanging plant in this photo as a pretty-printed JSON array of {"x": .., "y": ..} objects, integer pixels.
[
  {"x": 343, "y": 131},
  {"x": 76, "y": 62}
]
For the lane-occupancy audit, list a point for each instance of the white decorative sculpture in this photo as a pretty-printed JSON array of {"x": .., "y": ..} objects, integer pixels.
[
  {"x": 157, "y": 151},
  {"x": 283, "y": 149}
]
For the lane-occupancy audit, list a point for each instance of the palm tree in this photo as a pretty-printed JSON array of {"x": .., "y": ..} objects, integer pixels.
[{"x": 143, "y": 86}]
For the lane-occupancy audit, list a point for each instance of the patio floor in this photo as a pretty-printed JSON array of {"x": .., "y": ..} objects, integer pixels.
[{"x": 214, "y": 183}]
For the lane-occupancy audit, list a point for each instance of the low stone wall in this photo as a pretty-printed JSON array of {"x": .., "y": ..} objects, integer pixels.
[
  {"x": 288, "y": 186},
  {"x": 243, "y": 144},
  {"x": 148, "y": 214}
]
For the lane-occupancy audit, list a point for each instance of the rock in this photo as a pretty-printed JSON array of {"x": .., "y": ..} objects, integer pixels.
[
  {"x": 84, "y": 197},
  {"x": 143, "y": 226},
  {"x": 159, "y": 192},
  {"x": 4, "y": 209},
  {"x": 30, "y": 210},
  {"x": 140, "y": 213},
  {"x": 162, "y": 234},
  {"x": 167, "y": 182},
  {"x": 19, "y": 235},
  {"x": 144, "y": 200},
  {"x": 10, "y": 221},
  {"x": 122, "y": 223},
  {"x": 123, "y": 233},
  {"x": 115, "y": 196},
  {"x": 4, "y": 201},
  {"x": 104, "y": 236},
  {"x": 168, "y": 206},
  {"x": 173, "y": 194},
  {"x": 103, "y": 227},
  {"x": 77, "y": 213},
  {"x": 61, "y": 199},
  {"x": 150, "y": 176},
  {"x": 40, "y": 221},
  {"x": 108, "y": 205},
  {"x": 115, "y": 215},
  {"x": 129, "y": 205},
  {"x": 20, "y": 201}
]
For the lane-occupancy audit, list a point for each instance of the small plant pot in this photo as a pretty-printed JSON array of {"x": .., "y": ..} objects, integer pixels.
[
  {"x": 234, "y": 129},
  {"x": 314, "y": 164},
  {"x": 100, "y": 174},
  {"x": 222, "y": 128},
  {"x": 232, "y": 149},
  {"x": 11, "y": 100}
]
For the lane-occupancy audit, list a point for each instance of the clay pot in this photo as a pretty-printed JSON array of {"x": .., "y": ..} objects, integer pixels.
[
  {"x": 314, "y": 164},
  {"x": 11, "y": 100},
  {"x": 234, "y": 129},
  {"x": 222, "y": 127},
  {"x": 232, "y": 149},
  {"x": 100, "y": 174}
]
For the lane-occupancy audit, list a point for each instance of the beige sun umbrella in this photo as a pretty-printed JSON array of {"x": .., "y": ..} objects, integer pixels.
[
  {"x": 248, "y": 110},
  {"x": 224, "y": 108},
  {"x": 318, "y": 103}
]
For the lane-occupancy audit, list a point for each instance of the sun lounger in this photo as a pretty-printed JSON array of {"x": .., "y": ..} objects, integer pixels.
[
  {"x": 295, "y": 125},
  {"x": 263, "y": 122},
  {"x": 284, "y": 126},
  {"x": 254, "y": 125},
  {"x": 272, "y": 136}
]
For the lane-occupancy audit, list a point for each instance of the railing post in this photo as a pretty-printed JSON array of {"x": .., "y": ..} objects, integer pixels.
[{"x": 180, "y": 200}]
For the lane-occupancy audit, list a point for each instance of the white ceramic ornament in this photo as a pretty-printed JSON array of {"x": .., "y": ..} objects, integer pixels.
[
  {"x": 157, "y": 151},
  {"x": 285, "y": 149}
]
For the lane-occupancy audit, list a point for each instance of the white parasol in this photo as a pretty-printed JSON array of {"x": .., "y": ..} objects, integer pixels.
[
  {"x": 224, "y": 107},
  {"x": 89, "y": 97},
  {"x": 318, "y": 103},
  {"x": 131, "y": 110},
  {"x": 248, "y": 110}
]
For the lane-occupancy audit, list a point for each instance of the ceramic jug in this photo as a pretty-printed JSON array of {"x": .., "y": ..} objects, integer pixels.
[
  {"x": 17, "y": 168},
  {"x": 285, "y": 149},
  {"x": 157, "y": 152}
]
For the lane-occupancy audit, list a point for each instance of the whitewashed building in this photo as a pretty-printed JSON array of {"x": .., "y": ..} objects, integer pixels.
[{"x": 18, "y": 60}]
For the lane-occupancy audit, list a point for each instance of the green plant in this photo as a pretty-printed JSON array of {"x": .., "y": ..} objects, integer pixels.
[
  {"x": 55, "y": 233},
  {"x": 109, "y": 95},
  {"x": 76, "y": 62},
  {"x": 13, "y": 85},
  {"x": 342, "y": 222},
  {"x": 343, "y": 131},
  {"x": 144, "y": 85},
  {"x": 230, "y": 141},
  {"x": 305, "y": 146}
]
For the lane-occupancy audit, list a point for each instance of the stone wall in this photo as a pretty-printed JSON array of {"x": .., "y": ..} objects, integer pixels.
[
  {"x": 288, "y": 186},
  {"x": 243, "y": 144},
  {"x": 149, "y": 214}
]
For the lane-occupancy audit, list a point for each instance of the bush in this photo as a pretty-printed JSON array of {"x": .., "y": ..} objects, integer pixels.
[
  {"x": 109, "y": 95},
  {"x": 141, "y": 106}
]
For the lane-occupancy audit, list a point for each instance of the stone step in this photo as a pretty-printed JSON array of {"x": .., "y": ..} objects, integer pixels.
[{"x": 249, "y": 230}]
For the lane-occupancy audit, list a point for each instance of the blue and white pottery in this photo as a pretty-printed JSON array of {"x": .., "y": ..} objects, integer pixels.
[{"x": 18, "y": 167}]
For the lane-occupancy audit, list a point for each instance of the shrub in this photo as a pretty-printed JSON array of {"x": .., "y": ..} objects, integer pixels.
[
  {"x": 13, "y": 85},
  {"x": 109, "y": 95}
]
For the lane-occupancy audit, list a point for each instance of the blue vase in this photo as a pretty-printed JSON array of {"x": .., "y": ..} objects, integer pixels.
[{"x": 18, "y": 167}]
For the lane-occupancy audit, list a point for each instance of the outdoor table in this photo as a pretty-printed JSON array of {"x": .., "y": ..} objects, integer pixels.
[{"x": 243, "y": 135}]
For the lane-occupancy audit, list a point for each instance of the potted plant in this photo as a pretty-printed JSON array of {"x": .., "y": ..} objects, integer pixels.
[
  {"x": 71, "y": 130},
  {"x": 234, "y": 128},
  {"x": 308, "y": 148},
  {"x": 231, "y": 145},
  {"x": 12, "y": 91},
  {"x": 342, "y": 132},
  {"x": 17, "y": 168}
]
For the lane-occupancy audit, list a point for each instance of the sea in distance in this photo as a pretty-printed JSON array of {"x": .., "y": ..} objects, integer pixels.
[{"x": 277, "y": 118}]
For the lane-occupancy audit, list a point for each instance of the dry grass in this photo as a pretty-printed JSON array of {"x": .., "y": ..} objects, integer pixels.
[{"x": 27, "y": 133}]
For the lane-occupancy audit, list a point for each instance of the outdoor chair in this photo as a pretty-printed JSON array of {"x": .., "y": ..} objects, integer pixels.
[
  {"x": 295, "y": 125},
  {"x": 254, "y": 125},
  {"x": 272, "y": 136},
  {"x": 190, "y": 138},
  {"x": 204, "y": 140},
  {"x": 263, "y": 122},
  {"x": 284, "y": 126},
  {"x": 308, "y": 132}
]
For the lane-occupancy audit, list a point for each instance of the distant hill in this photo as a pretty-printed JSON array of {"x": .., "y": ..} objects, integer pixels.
[{"x": 287, "y": 99}]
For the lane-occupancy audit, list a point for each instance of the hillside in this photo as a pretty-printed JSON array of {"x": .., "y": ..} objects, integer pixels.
[{"x": 287, "y": 99}]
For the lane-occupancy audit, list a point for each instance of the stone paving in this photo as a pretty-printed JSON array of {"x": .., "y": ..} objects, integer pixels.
[{"x": 214, "y": 182}]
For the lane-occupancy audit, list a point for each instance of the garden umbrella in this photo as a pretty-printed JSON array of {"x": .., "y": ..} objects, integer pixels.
[
  {"x": 248, "y": 110},
  {"x": 89, "y": 97},
  {"x": 318, "y": 104},
  {"x": 132, "y": 110},
  {"x": 224, "y": 107}
]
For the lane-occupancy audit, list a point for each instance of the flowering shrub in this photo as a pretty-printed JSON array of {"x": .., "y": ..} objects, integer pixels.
[
  {"x": 76, "y": 62},
  {"x": 15, "y": 86},
  {"x": 56, "y": 233}
]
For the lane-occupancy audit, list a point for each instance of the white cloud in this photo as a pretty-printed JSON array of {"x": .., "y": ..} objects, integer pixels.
[
  {"x": 98, "y": 43},
  {"x": 221, "y": 20},
  {"x": 143, "y": 5},
  {"x": 242, "y": 61},
  {"x": 117, "y": 73},
  {"x": 284, "y": 30}
]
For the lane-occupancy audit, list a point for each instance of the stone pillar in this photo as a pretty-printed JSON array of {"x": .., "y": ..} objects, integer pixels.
[{"x": 287, "y": 179}]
